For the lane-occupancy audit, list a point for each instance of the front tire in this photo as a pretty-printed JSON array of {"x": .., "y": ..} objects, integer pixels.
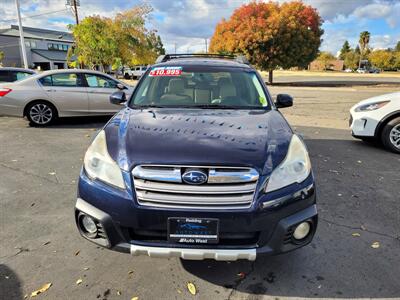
[
  {"x": 41, "y": 114},
  {"x": 391, "y": 135}
]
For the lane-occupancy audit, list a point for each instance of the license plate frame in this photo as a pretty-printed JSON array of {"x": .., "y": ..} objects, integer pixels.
[{"x": 193, "y": 230}]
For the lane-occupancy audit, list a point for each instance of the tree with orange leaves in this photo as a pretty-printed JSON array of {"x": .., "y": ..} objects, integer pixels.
[{"x": 271, "y": 35}]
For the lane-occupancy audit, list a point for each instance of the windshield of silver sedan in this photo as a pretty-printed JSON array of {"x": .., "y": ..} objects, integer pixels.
[{"x": 194, "y": 87}]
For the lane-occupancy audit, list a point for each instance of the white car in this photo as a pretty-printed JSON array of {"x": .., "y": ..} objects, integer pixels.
[
  {"x": 378, "y": 118},
  {"x": 61, "y": 93},
  {"x": 133, "y": 72},
  {"x": 138, "y": 71}
]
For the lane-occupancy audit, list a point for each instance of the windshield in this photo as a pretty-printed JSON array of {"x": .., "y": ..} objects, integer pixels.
[{"x": 191, "y": 86}]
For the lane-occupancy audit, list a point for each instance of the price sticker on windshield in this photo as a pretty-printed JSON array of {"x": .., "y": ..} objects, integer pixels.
[{"x": 166, "y": 71}]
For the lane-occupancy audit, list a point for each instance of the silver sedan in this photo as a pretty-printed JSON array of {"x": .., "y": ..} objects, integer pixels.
[{"x": 61, "y": 93}]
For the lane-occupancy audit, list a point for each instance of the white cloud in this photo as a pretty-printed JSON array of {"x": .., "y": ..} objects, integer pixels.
[
  {"x": 384, "y": 41},
  {"x": 331, "y": 9}
]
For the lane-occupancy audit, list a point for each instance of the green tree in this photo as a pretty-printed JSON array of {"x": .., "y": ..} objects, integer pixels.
[
  {"x": 118, "y": 41},
  {"x": 351, "y": 60},
  {"x": 1, "y": 57},
  {"x": 94, "y": 42},
  {"x": 326, "y": 59},
  {"x": 364, "y": 44},
  {"x": 396, "y": 60},
  {"x": 382, "y": 59},
  {"x": 270, "y": 34},
  {"x": 345, "y": 49},
  {"x": 397, "y": 48}
]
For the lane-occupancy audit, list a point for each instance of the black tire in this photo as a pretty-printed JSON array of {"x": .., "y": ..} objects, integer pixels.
[
  {"x": 391, "y": 135},
  {"x": 126, "y": 76},
  {"x": 41, "y": 113}
]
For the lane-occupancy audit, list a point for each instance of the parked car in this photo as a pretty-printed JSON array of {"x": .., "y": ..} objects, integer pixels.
[
  {"x": 133, "y": 72},
  {"x": 361, "y": 70},
  {"x": 374, "y": 71},
  {"x": 13, "y": 74},
  {"x": 348, "y": 70},
  {"x": 138, "y": 71},
  {"x": 44, "y": 97},
  {"x": 200, "y": 164},
  {"x": 378, "y": 118}
]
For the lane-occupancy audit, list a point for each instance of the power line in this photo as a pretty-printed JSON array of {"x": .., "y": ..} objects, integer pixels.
[{"x": 36, "y": 15}]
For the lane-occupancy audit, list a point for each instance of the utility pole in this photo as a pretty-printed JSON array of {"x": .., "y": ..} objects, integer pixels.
[
  {"x": 76, "y": 12},
  {"x": 175, "y": 47},
  {"x": 21, "y": 35},
  {"x": 74, "y": 6},
  {"x": 206, "y": 45}
]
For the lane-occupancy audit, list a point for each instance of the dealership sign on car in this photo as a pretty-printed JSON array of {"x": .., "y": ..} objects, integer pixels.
[{"x": 166, "y": 71}]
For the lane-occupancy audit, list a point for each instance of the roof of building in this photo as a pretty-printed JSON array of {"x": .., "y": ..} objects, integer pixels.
[
  {"x": 51, "y": 54},
  {"x": 38, "y": 33}
]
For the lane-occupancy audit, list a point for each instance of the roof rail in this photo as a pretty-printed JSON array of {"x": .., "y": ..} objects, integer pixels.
[{"x": 164, "y": 58}]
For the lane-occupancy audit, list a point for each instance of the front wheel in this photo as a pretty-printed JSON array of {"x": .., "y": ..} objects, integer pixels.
[
  {"x": 391, "y": 135},
  {"x": 41, "y": 114}
]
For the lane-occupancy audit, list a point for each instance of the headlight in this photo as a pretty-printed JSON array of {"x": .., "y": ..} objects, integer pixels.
[
  {"x": 296, "y": 167},
  {"x": 371, "y": 106},
  {"x": 99, "y": 164}
]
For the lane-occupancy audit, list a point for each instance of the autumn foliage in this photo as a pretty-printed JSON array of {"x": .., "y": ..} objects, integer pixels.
[
  {"x": 271, "y": 35},
  {"x": 122, "y": 40}
]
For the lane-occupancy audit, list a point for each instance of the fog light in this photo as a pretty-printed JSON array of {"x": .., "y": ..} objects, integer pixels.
[
  {"x": 302, "y": 230},
  {"x": 88, "y": 225}
]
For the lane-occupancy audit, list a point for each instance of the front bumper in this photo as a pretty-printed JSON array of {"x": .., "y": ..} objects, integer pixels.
[
  {"x": 265, "y": 229},
  {"x": 362, "y": 124}
]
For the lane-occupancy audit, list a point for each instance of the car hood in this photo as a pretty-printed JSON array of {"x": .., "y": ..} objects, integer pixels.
[
  {"x": 392, "y": 97},
  {"x": 205, "y": 137}
]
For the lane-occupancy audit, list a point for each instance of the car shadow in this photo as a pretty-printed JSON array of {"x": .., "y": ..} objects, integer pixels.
[
  {"x": 81, "y": 122},
  {"x": 352, "y": 178},
  {"x": 10, "y": 284}
]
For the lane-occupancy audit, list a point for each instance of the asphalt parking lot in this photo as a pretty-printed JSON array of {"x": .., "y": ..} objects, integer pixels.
[{"x": 358, "y": 198}]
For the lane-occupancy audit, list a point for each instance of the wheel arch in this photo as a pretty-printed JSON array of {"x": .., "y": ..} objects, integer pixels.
[
  {"x": 382, "y": 123},
  {"x": 36, "y": 101}
]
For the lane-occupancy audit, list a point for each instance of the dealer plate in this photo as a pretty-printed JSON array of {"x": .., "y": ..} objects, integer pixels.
[{"x": 193, "y": 230}]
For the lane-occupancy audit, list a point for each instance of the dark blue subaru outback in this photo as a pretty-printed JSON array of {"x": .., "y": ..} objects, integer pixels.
[{"x": 199, "y": 164}]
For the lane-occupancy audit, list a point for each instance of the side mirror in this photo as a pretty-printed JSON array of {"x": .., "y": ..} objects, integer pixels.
[
  {"x": 121, "y": 87},
  {"x": 118, "y": 98},
  {"x": 283, "y": 100}
]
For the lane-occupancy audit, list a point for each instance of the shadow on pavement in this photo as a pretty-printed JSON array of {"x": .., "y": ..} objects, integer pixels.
[
  {"x": 81, "y": 122},
  {"x": 358, "y": 184},
  {"x": 10, "y": 284}
]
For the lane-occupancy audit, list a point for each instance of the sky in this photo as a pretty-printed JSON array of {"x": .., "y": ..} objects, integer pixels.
[{"x": 186, "y": 24}]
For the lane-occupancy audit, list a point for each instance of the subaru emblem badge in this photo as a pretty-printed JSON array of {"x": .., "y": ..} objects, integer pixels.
[{"x": 194, "y": 177}]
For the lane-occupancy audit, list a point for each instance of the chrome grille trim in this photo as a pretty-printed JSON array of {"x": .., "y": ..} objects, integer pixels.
[
  {"x": 215, "y": 176},
  {"x": 194, "y": 189},
  {"x": 166, "y": 174},
  {"x": 227, "y": 187}
]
